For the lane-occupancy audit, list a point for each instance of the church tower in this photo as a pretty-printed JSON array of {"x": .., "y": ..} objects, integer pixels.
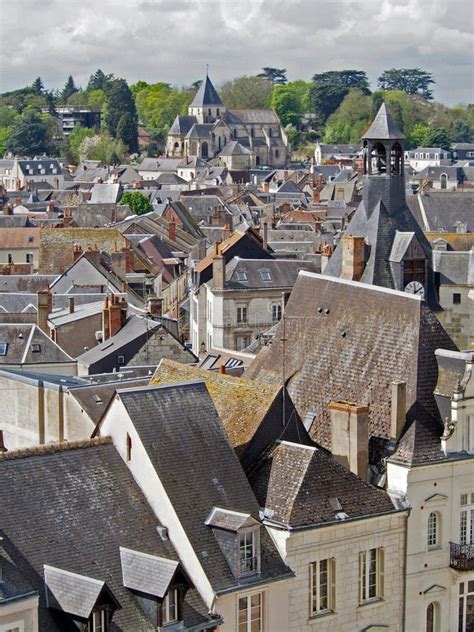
[
  {"x": 384, "y": 177},
  {"x": 206, "y": 105}
]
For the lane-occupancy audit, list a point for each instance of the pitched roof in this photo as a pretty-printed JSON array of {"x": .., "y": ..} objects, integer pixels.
[
  {"x": 234, "y": 148},
  {"x": 27, "y": 344},
  {"x": 444, "y": 211},
  {"x": 206, "y": 95},
  {"x": 182, "y": 125},
  {"x": 305, "y": 486},
  {"x": 264, "y": 273},
  {"x": 346, "y": 340},
  {"x": 194, "y": 478},
  {"x": 25, "y": 238},
  {"x": 383, "y": 127},
  {"x": 59, "y": 480},
  {"x": 251, "y": 116}
]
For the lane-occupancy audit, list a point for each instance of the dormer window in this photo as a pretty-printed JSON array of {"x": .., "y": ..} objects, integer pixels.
[
  {"x": 98, "y": 622},
  {"x": 169, "y": 609},
  {"x": 265, "y": 275},
  {"x": 247, "y": 552}
]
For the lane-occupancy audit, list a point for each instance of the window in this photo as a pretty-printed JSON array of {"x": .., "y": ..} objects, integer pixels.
[
  {"x": 251, "y": 613},
  {"x": 456, "y": 299},
  {"x": 322, "y": 593},
  {"x": 10, "y": 258},
  {"x": 241, "y": 315},
  {"x": 413, "y": 270},
  {"x": 277, "y": 153},
  {"x": 170, "y": 606},
  {"x": 35, "y": 347},
  {"x": 218, "y": 111},
  {"x": 468, "y": 434},
  {"x": 29, "y": 258},
  {"x": 121, "y": 360},
  {"x": 276, "y": 312},
  {"x": 371, "y": 564},
  {"x": 247, "y": 552},
  {"x": 433, "y": 530},
  {"x": 3, "y": 348},
  {"x": 14, "y": 626},
  {"x": 241, "y": 275},
  {"x": 242, "y": 342},
  {"x": 466, "y": 606},
  {"x": 432, "y": 617},
  {"x": 129, "y": 447},
  {"x": 265, "y": 275},
  {"x": 98, "y": 622},
  {"x": 466, "y": 530}
]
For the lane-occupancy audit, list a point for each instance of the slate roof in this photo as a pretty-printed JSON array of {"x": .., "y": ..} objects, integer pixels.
[
  {"x": 147, "y": 573},
  {"x": 194, "y": 479},
  {"x": 200, "y": 130},
  {"x": 442, "y": 211},
  {"x": 251, "y": 116},
  {"x": 299, "y": 482},
  {"x": 35, "y": 167},
  {"x": 348, "y": 341},
  {"x": 383, "y": 127},
  {"x": 57, "y": 481},
  {"x": 182, "y": 125},
  {"x": 106, "y": 193},
  {"x": 28, "y": 345},
  {"x": 453, "y": 267},
  {"x": 234, "y": 148},
  {"x": 264, "y": 273},
  {"x": 206, "y": 95}
]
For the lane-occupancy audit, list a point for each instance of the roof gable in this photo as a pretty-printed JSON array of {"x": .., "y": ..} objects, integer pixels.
[{"x": 206, "y": 95}]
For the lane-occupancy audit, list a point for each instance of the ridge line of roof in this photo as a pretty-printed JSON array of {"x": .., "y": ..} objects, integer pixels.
[
  {"x": 155, "y": 387},
  {"x": 52, "y": 448},
  {"x": 366, "y": 286}
]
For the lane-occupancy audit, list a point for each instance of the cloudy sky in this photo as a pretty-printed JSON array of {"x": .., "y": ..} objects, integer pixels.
[{"x": 173, "y": 40}]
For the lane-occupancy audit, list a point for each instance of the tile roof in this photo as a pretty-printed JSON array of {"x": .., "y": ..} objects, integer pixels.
[
  {"x": 297, "y": 483},
  {"x": 42, "y": 498},
  {"x": 348, "y": 341},
  {"x": 25, "y": 238},
  {"x": 199, "y": 470}
]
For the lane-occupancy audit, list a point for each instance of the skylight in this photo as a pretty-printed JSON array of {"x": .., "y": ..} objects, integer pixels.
[
  {"x": 3, "y": 348},
  {"x": 241, "y": 275},
  {"x": 265, "y": 275}
]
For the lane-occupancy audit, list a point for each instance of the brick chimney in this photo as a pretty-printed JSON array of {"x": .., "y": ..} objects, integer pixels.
[
  {"x": 138, "y": 184},
  {"x": 316, "y": 196},
  {"x": 44, "y": 306},
  {"x": 265, "y": 235},
  {"x": 71, "y": 304},
  {"x": 172, "y": 230},
  {"x": 77, "y": 252},
  {"x": 218, "y": 269},
  {"x": 51, "y": 206},
  {"x": 155, "y": 306},
  {"x": 225, "y": 232},
  {"x": 113, "y": 315},
  {"x": 398, "y": 408},
  {"x": 266, "y": 187},
  {"x": 353, "y": 257},
  {"x": 350, "y": 436}
]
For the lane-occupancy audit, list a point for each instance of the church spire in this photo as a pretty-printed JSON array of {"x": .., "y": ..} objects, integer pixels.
[{"x": 383, "y": 127}]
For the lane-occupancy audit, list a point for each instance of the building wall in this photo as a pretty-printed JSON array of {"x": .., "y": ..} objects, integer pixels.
[
  {"x": 343, "y": 542},
  {"x": 22, "y": 614},
  {"x": 161, "y": 345},
  {"x": 18, "y": 255},
  {"x": 74, "y": 336},
  {"x": 457, "y": 319}
]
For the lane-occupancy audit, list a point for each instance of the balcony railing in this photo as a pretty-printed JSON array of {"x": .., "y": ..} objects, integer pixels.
[
  {"x": 248, "y": 565},
  {"x": 461, "y": 556}
]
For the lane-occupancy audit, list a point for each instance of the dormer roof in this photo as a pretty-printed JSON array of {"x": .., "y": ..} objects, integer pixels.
[
  {"x": 383, "y": 127},
  {"x": 206, "y": 95}
]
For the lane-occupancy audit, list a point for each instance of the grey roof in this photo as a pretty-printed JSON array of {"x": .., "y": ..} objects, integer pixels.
[
  {"x": 228, "y": 520},
  {"x": 106, "y": 193},
  {"x": 336, "y": 352},
  {"x": 147, "y": 573},
  {"x": 264, "y": 273},
  {"x": 28, "y": 345},
  {"x": 72, "y": 593},
  {"x": 206, "y": 95},
  {"x": 289, "y": 187},
  {"x": 27, "y": 283},
  {"x": 159, "y": 164},
  {"x": 454, "y": 267},
  {"x": 234, "y": 148},
  {"x": 182, "y": 125},
  {"x": 383, "y": 127},
  {"x": 81, "y": 311},
  {"x": 200, "y": 130},
  {"x": 195, "y": 481},
  {"x": 299, "y": 484},
  {"x": 35, "y": 167},
  {"x": 400, "y": 244},
  {"x": 440, "y": 211},
  {"x": 54, "y": 483},
  {"x": 251, "y": 116}
]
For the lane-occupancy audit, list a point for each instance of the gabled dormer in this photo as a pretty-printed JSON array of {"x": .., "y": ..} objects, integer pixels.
[{"x": 238, "y": 536}]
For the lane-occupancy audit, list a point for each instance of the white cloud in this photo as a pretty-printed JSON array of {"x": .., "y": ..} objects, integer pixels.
[{"x": 173, "y": 40}]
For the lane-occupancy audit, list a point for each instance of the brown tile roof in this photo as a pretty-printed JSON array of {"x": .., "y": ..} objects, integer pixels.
[
  {"x": 241, "y": 403},
  {"x": 57, "y": 245},
  {"x": 13, "y": 238},
  {"x": 222, "y": 248}
]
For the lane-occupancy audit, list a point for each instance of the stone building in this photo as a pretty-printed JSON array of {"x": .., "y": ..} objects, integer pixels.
[{"x": 243, "y": 138}]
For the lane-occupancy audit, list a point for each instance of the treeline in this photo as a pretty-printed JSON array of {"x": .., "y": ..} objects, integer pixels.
[{"x": 335, "y": 106}]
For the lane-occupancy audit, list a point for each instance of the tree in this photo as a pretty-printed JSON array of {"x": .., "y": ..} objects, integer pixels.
[
  {"x": 69, "y": 89},
  {"x": 74, "y": 141},
  {"x": 138, "y": 203},
  {"x": 247, "y": 93},
  {"x": 418, "y": 137},
  {"x": 291, "y": 101},
  {"x": 99, "y": 81},
  {"x": 325, "y": 99},
  {"x": 31, "y": 135},
  {"x": 119, "y": 101},
  {"x": 346, "y": 78},
  {"x": 159, "y": 104},
  {"x": 410, "y": 80},
  {"x": 350, "y": 120},
  {"x": 136, "y": 87},
  {"x": 274, "y": 75},
  {"x": 102, "y": 147},
  {"x": 439, "y": 137},
  {"x": 38, "y": 85},
  {"x": 127, "y": 132},
  {"x": 461, "y": 132}
]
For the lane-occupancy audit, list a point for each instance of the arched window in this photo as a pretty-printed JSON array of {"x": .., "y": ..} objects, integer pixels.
[
  {"x": 444, "y": 181},
  {"x": 432, "y": 533},
  {"x": 379, "y": 159},
  {"x": 396, "y": 158},
  {"x": 432, "y": 617},
  {"x": 204, "y": 150},
  {"x": 176, "y": 145},
  {"x": 257, "y": 160}
]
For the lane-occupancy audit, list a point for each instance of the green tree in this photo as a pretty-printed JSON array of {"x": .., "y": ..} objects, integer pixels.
[
  {"x": 7, "y": 116},
  {"x": 461, "y": 131},
  {"x": 277, "y": 76},
  {"x": 159, "y": 104},
  {"x": 247, "y": 93},
  {"x": 325, "y": 99},
  {"x": 4, "y": 136},
  {"x": 69, "y": 89},
  {"x": 120, "y": 101},
  {"x": 439, "y": 137},
  {"x": 96, "y": 99},
  {"x": 291, "y": 101},
  {"x": 38, "y": 85},
  {"x": 99, "y": 81},
  {"x": 346, "y": 78},
  {"x": 136, "y": 87},
  {"x": 102, "y": 147},
  {"x": 30, "y": 135},
  {"x": 352, "y": 118},
  {"x": 418, "y": 137},
  {"x": 127, "y": 132},
  {"x": 410, "y": 80},
  {"x": 74, "y": 141},
  {"x": 138, "y": 203}
]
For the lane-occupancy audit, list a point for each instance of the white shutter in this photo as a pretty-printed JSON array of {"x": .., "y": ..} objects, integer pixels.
[
  {"x": 332, "y": 585},
  {"x": 361, "y": 576},
  {"x": 380, "y": 572}
]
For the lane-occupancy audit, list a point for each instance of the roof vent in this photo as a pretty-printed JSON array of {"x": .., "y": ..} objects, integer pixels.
[
  {"x": 266, "y": 514},
  {"x": 162, "y": 532},
  {"x": 341, "y": 515},
  {"x": 335, "y": 504},
  {"x": 320, "y": 310},
  {"x": 326, "y": 311}
]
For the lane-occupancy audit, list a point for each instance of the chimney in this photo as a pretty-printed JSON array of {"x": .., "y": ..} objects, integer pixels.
[
  {"x": 353, "y": 257},
  {"x": 225, "y": 232},
  {"x": 222, "y": 369},
  {"x": 155, "y": 306},
  {"x": 51, "y": 206},
  {"x": 17, "y": 201},
  {"x": 265, "y": 235},
  {"x": 350, "y": 436},
  {"x": 77, "y": 252},
  {"x": 113, "y": 315},
  {"x": 3, "y": 448},
  {"x": 316, "y": 196},
  {"x": 138, "y": 184},
  {"x": 172, "y": 230},
  {"x": 7, "y": 210},
  {"x": 398, "y": 408},
  {"x": 44, "y": 306},
  {"x": 218, "y": 269},
  {"x": 71, "y": 304},
  {"x": 266, "y": 187}
]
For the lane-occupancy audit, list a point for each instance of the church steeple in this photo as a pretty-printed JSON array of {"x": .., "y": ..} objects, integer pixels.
[
  {"x": 206, "y": 105},
  {"x": 384, "y": 163}
]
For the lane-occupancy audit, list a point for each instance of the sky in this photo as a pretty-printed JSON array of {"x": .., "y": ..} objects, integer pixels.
[{"x": 174, "y": 40}]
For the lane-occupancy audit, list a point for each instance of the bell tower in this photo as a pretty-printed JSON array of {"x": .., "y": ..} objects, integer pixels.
[{"x": 384, "y": 168}]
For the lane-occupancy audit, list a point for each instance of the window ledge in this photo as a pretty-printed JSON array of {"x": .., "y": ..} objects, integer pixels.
[
  {"x": 438, "y": 547},
  {"x": 376, "y": 601},
  {"x": 330, "y": 614}
]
